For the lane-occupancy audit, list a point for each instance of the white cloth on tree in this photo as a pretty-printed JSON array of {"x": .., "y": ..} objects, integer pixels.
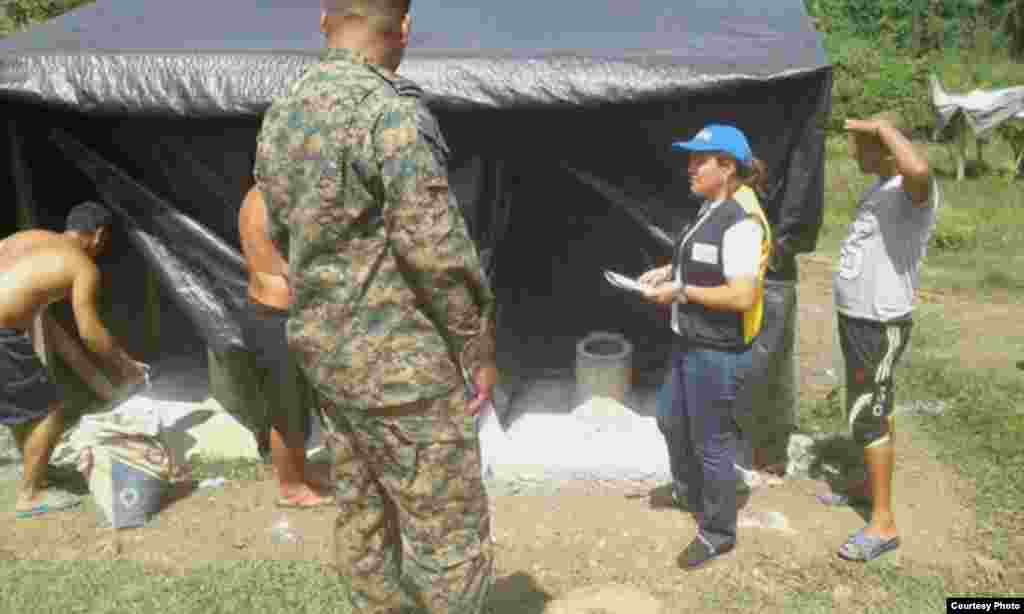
[{"x": 984, "y": 110}]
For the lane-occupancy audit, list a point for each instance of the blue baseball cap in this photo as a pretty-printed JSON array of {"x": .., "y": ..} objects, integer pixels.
[{"x": 722, "y": 138}]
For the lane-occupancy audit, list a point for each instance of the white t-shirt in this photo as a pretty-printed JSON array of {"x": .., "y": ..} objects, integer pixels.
[
  {"x": 880, "y": 257},
  {"x": 741, "y": 249}
]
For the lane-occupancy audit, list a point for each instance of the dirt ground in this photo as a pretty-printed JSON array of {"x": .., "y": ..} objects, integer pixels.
[{"x": 586, "y": 534}]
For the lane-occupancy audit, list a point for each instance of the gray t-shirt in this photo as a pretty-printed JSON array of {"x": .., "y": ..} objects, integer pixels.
[{"x": 880, "y": 257}]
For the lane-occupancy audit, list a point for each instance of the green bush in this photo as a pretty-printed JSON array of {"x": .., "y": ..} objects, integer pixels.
[
  {"x": 860, "y": 37},
  {"x": 868, "y": 79},
  {"x": 22, "y": 13},
  {"x": 955, "y": 24},
  {"x": 954, "y": 233}
]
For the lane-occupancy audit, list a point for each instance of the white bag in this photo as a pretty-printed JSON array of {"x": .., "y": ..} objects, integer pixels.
[{"x": 492, "y": 439}]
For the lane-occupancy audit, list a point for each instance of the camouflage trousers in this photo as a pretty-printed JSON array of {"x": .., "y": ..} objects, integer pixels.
[{"x": 413, "y": 529}]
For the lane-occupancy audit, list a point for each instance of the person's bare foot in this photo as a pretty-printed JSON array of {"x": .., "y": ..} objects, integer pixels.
[
  {"x": 44, "y": 502},
  {"x": 885, "y": 533},
  {"x": 304, "y": 497}
]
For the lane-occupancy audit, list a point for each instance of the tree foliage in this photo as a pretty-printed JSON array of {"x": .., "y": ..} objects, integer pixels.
[
  {"x": 1014, "y": 28},
  {"x": 920, "y": 25},
  {"x": 18, "y": 14}
]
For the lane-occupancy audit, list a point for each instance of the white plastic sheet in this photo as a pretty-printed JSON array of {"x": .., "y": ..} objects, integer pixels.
[{"x": 984, "y": 110}]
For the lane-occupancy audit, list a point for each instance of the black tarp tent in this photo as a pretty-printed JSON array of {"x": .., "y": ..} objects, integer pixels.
[{"x": 559, "y": 115}]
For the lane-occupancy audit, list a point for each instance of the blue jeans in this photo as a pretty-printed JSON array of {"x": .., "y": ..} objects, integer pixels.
[
  {"x": 666, "y": 419},
  {"x": 700, "y": 431}
]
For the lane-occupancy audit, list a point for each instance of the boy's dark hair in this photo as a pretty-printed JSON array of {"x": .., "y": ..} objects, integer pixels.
[{"x": 89, "y": 217}]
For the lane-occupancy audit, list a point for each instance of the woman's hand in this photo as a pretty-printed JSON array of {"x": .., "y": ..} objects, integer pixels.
[
  {"x": 656, "y": 276},
  {"x": 664, "y": 293}
]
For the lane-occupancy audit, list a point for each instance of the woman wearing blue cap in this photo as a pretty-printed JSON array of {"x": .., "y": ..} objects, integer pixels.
[{"x": 714, "y": 288}]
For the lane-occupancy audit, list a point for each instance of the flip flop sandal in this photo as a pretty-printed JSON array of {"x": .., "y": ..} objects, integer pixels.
[
  {"x": 863, "y": 548},
  {"x": 297, "y": 504},
  {"x": 56, "y": 505}
]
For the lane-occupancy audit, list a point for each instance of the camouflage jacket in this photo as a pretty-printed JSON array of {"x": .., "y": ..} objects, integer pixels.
[{"x": 389, "y": 297}]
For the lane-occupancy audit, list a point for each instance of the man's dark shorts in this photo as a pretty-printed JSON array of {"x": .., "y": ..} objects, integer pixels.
[
  {"x": 871, "y": 351},
  {"x": 287, "y": 393},
  {"x": 26, "y": 392}
]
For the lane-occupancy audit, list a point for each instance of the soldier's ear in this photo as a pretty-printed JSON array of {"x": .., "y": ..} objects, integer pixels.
[
  {"x": 406, "y": 27},
  {"x": 323, "y": 23}
]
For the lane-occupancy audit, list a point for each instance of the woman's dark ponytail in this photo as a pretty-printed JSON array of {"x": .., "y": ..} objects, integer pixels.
[{"x": 756, "y": 177}]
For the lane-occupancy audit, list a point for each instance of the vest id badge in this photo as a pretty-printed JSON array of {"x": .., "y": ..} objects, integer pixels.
[{"x": 706, "y": 253}]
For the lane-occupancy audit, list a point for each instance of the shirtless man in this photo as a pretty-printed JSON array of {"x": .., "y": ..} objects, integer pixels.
[
  {"x": 288, "y": 395},
  {"x": 38, "y": 268}
]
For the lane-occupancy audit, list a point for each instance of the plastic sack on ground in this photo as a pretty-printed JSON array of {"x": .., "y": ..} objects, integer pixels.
[{"x": 128, "y": 464}]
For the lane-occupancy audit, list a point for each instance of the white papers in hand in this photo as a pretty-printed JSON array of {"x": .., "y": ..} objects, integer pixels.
[{"x": 621, "y": 281}]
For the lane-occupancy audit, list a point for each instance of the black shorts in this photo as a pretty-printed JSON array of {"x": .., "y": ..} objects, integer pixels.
[
  {"x": 871, "y": 351},
  {"x": 26, "y": 392},
  {"x": 287, "y": 393}
]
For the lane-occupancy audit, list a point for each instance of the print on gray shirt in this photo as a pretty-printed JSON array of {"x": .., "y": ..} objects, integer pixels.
[{"x": 881, "y": 255}]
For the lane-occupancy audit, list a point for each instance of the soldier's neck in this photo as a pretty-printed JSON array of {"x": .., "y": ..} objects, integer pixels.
[{"x": 374, "y": 52}]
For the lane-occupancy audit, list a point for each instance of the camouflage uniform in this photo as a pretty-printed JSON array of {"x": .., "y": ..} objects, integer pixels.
[{"x": 390, "y": 308}]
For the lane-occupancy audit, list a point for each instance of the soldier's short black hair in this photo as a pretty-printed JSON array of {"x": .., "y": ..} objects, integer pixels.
[{"x": 89, "y": 216}]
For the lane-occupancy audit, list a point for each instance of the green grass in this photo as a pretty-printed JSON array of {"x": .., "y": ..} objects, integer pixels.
[
  {"x": 879, "y": 587},
  {"x": 121, "y": 587},
  {"x": 980, "y": 435}
]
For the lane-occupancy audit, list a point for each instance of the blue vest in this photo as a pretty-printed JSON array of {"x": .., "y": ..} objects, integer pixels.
[{"x": 698, "y": 262}]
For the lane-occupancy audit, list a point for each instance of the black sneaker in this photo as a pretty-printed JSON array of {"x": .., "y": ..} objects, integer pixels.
[{"x": 699, "y": 553}]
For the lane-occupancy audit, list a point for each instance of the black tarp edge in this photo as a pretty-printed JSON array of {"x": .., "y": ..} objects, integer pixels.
[{"x": 217, "y": 85}]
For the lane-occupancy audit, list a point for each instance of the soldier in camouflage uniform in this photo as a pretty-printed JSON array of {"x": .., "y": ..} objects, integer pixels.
[{"x": 391, "y": 315}]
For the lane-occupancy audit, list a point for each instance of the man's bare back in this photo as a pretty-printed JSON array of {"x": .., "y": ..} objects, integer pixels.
[
  {"x": 38, "y": 268},
  {"x": 268, "y": 270}
]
